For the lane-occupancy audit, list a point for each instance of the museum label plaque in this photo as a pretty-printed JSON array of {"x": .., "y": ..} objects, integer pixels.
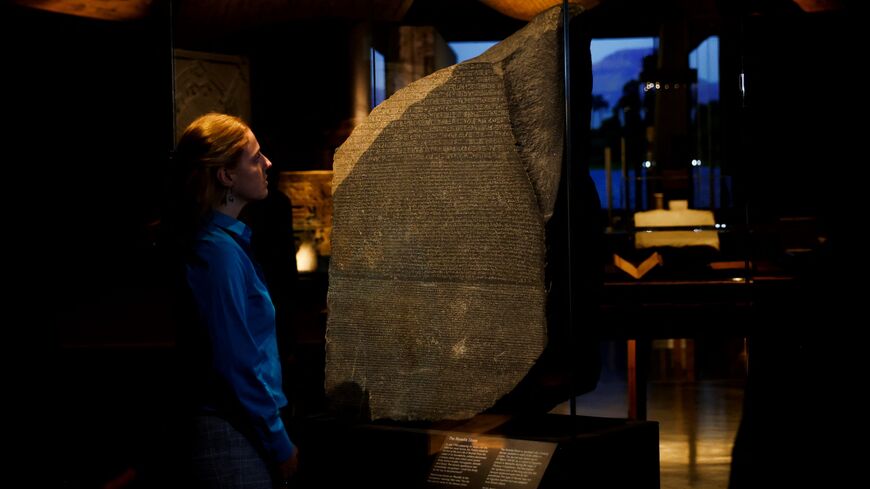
[{"x": 486, "y": 462}]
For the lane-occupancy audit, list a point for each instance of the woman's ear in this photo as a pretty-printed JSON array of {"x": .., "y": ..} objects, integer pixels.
[{"x": 225, "y": 177}]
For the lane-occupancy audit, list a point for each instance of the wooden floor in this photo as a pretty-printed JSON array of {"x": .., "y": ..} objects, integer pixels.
[{"x": 697, "y": 422}]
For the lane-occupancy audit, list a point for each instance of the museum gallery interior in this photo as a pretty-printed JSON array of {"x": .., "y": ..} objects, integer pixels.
[{"x": 510, "y": 243}]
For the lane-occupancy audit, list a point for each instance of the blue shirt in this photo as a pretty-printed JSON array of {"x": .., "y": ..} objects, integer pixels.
[{"x": 237, "y": 311}]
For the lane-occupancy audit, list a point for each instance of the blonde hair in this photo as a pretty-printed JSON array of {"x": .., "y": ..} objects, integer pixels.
[{"x": 211, "y": 142}]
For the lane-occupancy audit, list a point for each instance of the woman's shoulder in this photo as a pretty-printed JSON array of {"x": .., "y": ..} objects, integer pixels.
[{"x": 217, "y": 244}]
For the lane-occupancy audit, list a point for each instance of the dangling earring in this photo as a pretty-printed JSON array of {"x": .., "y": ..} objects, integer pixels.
[{"x": 230, "y": 197}]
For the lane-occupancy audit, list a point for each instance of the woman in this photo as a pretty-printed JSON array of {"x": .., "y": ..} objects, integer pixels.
[{"x": 239, "y": 437}]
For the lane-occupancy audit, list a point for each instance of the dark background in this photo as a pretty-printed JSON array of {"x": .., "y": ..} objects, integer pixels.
[{"x": 91, "y": 130}]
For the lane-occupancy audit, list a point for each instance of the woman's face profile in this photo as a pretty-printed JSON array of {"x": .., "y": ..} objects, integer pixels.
[{"x": 249, "y": 176}]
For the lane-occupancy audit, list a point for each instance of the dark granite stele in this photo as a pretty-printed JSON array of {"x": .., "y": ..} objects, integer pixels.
[{"x": 557, "y": 451}]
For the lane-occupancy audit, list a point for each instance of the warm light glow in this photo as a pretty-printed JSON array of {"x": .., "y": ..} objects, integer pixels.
[
  {"x": 820, "y": 5},
  {"x": 677, "y": 452},
  {"x": 528, "y": 9},
  {"x": 95, "y": 9},
  {"x": 306, "y": 257}
]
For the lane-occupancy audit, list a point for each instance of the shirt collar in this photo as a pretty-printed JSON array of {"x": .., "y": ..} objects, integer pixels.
[{"x": 232, "y": 225}]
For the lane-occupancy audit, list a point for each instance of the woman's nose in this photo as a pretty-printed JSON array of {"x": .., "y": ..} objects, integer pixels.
[{"x": 268, "y": 162}]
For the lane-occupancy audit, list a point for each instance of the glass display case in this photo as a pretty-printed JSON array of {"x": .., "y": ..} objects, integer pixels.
[{"x": 657, "y": 158}]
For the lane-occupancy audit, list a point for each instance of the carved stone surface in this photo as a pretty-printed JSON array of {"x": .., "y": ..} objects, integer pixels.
[
  {"x": 208, "y": 82},
  {"x": 311, "y": 195},
  {"x": 437, "y": 297}
]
